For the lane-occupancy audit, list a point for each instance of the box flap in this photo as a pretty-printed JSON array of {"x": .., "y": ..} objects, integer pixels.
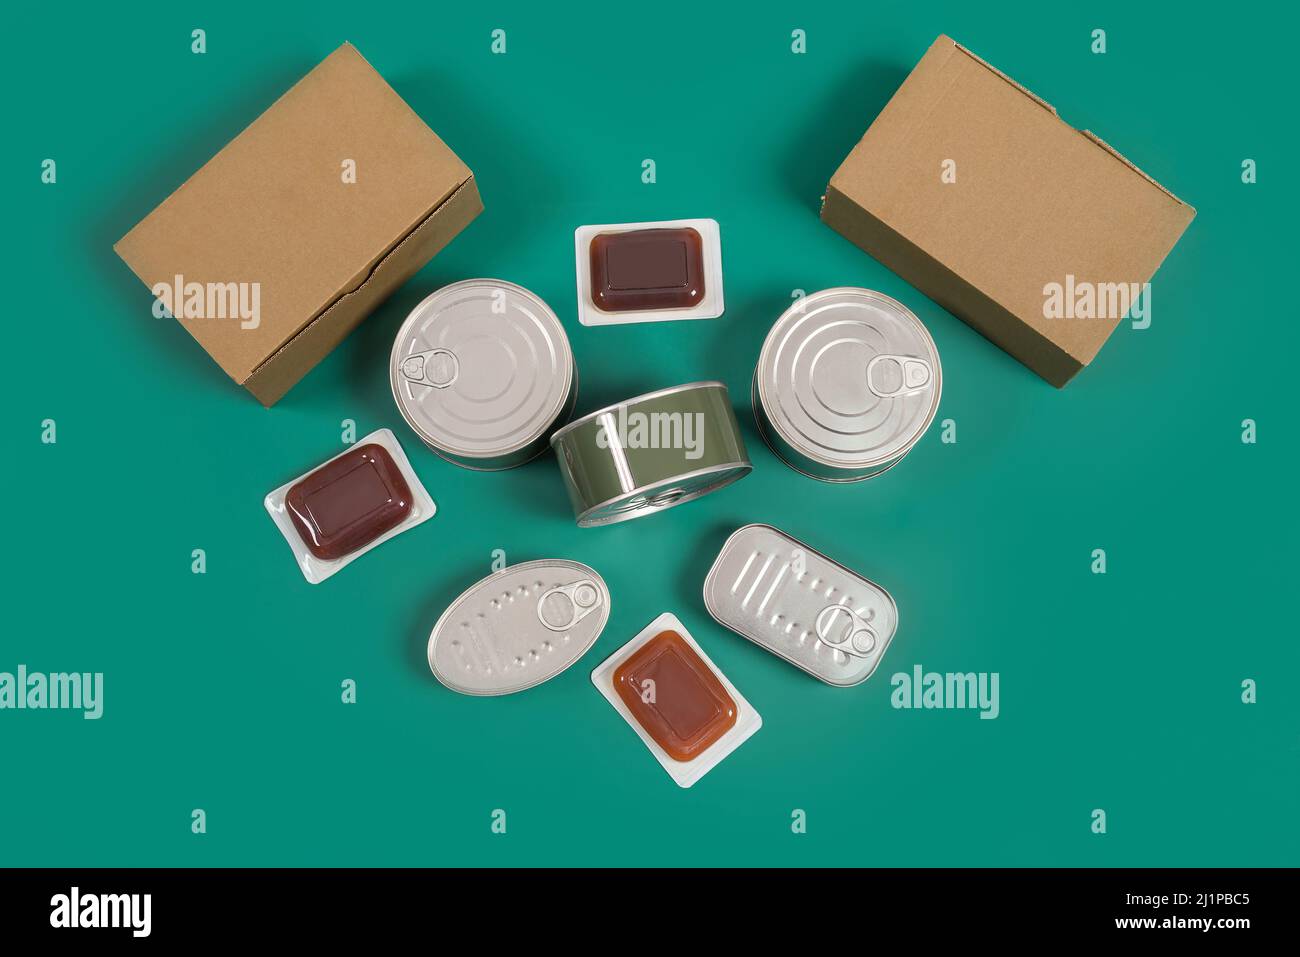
[
  {"x": 1034, "y": 200},
  {"x": 273, "y": 207}
]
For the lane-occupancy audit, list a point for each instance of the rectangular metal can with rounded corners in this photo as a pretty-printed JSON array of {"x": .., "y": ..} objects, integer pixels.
[{"x": 800, "y": 605}]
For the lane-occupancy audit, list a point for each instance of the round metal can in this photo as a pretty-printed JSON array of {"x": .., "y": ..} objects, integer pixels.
[
  {"x": 848, "y": 380},
  {"x": 650, "y": 453},
  {"x": 483, "y": 372}
]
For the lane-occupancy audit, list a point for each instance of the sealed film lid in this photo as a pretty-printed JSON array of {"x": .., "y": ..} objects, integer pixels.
[
  {"x": 519, "y": 627},
  {"x": 482, "y": 369},
  {"x": 849, "y": 378}
]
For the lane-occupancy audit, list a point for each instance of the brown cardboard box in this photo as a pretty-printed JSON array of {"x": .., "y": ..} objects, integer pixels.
[
  {"x": 279, "y": 255},
  {"x": 1031, "y": 202}
]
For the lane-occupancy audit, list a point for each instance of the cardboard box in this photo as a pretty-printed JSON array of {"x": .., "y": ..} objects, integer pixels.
[
  {"x": 291, "y": 235},
  {"x": 973, "y": 190}
]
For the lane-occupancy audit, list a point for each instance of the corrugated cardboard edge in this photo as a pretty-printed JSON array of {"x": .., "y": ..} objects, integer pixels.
[
  {"x": 1133, "y": 166},
  {"x": 992, "y": 69},
  {"x": 278, "y": 373},
  {"x": 931, "y": 277}
]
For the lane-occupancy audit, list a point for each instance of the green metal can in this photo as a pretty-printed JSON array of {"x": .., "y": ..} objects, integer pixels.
[{"x": 651, "y": 452}]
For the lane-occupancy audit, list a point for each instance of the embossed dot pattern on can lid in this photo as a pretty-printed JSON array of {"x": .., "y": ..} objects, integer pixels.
[
  {"x": 519, "y": 627},
  {"x": 800, "y": 605}
]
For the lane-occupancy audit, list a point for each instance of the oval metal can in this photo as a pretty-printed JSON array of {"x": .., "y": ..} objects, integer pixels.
[
  {"x": 651, "y": 452},
  {"x": 847, "y": 382},
  {"x": 798, "y": 604},
  {"x": 518, "y": 627},
  {"x": 483, "y": 372}
]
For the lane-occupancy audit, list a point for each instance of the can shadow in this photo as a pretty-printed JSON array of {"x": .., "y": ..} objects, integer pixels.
[
  {"x": 539, "y": 487},
  {"x": 735, "y": 349},
  {"x": 444, "y": 591}
]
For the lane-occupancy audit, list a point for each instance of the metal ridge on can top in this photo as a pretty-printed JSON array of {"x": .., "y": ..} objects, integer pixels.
[
  {"x": 801, "y": 605},
  {"x": 518, "y": 627},
  {"x": 483, "y": 372},
  {"x": 650, "y": 453},
  {"x": 847, "y": 382}
]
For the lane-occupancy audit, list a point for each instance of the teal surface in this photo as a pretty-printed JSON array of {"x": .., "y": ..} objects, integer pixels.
[{"x": 1120, "y": 692}]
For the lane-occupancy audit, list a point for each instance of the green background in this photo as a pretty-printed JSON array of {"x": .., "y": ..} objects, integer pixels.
[{"x": 222, "y": 691}]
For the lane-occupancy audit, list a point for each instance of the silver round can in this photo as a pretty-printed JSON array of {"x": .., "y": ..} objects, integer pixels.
[
  {"x": 847, "y": 382},
  {"x": 483, "y": 372}
]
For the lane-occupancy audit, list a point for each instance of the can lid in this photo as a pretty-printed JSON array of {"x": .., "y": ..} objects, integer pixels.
[
  {"x": 519, "y": 627},
  {"x": 481, "y": 368},
  {"x": 800, "y": 605},
  {"x": 849, "y": 377}
]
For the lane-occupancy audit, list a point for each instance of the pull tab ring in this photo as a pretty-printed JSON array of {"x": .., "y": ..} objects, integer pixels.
[
  {"x": 858, "y": 639},
  {"x": 437, "y": 367},
  {"x": 563, "y": 606},
  {"x": 914, "y": 375}
]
